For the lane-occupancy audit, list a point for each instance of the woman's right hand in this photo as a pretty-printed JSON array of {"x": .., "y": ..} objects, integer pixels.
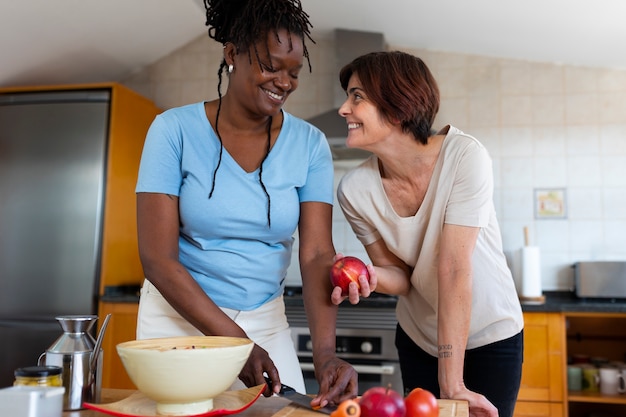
[
  {"x": 258, "y": 363},
  {"x": 354, "y": 294},
  {"x": 479, "y": 405}
]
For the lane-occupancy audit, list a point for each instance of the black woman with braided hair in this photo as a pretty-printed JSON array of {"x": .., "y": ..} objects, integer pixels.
[{"x": 223, "y": 186}]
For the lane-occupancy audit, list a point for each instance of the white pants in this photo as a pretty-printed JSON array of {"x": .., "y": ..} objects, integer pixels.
[{"x": 267, "y": 326}]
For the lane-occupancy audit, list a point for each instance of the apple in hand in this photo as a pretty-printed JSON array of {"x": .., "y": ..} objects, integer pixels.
[
  {"x": 421, "y": 403},
  {"x": 347, "y": 270},
  {"x": 381, "y": 401}
]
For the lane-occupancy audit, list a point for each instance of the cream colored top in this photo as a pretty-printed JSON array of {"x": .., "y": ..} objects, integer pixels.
[{"x": 461, "y": 193}]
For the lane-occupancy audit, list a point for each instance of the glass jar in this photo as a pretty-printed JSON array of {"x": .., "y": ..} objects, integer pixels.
[{"x": 42, "y": 376}]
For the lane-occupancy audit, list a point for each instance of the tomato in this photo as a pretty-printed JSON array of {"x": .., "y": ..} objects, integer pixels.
[
  {"x": 421, "y": 403},
  {"x": 347, "y": 408}
]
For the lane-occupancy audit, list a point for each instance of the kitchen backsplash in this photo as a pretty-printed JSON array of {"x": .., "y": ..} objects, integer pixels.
[{"x": 546, "y": 126}]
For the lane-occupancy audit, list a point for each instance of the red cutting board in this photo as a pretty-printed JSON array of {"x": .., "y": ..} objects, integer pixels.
[{"x": 447, "y": 408}]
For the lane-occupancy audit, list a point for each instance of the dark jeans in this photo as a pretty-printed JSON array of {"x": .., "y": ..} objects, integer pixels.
[{"x": 493, "y": 370}]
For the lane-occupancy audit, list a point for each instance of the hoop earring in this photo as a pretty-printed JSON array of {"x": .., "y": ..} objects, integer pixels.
[{"x": 231, "y": 67}]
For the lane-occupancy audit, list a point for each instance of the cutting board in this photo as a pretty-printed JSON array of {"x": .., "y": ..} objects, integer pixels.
[{"x": 447, "y": 408}]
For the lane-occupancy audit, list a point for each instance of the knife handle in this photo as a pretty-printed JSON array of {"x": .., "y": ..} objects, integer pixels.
[{"x": 283, "y": 388}]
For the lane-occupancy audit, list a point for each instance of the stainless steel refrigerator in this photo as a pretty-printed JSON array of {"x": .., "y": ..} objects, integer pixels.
[{"x": 52, "y": 171}]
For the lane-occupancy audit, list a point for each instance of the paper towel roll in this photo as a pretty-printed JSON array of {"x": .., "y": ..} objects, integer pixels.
[{"x": 530, "y": 272}]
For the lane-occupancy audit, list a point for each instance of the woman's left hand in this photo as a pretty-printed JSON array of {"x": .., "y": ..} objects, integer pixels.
[{"x": 338, "y": 382}]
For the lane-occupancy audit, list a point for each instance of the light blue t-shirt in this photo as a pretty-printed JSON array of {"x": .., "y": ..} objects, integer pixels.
[{"x": 225, "y": 242}]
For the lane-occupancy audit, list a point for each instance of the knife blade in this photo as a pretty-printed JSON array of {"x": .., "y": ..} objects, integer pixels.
[{"x": 300, "y": 399}]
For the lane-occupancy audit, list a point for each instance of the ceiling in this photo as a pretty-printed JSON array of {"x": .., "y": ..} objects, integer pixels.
[{"x": 78, "y": 41}]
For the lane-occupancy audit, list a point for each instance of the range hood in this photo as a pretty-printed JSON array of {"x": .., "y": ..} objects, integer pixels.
[{"x": 349, "y": 44}]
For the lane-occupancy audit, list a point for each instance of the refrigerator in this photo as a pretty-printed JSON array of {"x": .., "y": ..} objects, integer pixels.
[{"x": 52, "y": 171}]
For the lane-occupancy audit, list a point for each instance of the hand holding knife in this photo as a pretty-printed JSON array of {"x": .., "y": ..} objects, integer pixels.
[{"x": 300, "y": 399}]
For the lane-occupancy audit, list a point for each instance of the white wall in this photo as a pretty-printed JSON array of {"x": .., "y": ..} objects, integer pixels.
[{"x": 545, "y": 125}]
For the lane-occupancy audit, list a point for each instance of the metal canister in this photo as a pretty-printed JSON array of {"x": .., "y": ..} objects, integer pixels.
[
  {"x": 73, "y": 352},
  {"x": 40, "y": 376}
]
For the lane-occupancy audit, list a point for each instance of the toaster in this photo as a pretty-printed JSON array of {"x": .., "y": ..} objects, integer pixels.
[{"x": 600, "y": 279}]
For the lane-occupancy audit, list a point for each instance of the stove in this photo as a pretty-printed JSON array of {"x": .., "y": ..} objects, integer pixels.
[{"x": 365, "y": 339}]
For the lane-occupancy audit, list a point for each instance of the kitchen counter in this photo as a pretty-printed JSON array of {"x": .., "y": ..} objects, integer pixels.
[
  {"x": 556, "y": 301},
  {"x": 568, "y": 302},
  {"x": 266, "y": 407},
  {"x": 108, "y": 396},
  {"x": 263, "y": 407},
  {"x": 292, "y": 297},
  {"x": 121, "y": 294}
]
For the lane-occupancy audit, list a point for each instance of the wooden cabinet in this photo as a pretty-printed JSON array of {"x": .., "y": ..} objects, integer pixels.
[
  {"x": 121, "y": 328},
  {"x": 549, "y": 339},
  {"x": 538, "y": 409},
  {"x": 600, "y": 337},
  {"x": 542, "y": 391},
  {"x": 130, "y": 118}
]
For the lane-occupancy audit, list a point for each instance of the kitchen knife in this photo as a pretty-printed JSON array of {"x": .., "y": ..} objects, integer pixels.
[{"x": 300, "y": 399}]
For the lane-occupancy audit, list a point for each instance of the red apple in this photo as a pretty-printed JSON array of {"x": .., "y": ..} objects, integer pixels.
[
  {"x": 382, "y": 402},
  {"x": 347, "y": 270}
]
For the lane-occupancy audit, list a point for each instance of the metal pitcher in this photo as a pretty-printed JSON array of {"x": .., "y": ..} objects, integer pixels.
[{"x": 80, "y": 357}]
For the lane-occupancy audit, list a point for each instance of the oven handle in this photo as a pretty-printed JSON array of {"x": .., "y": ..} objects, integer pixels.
[{"x": 362, "y": 369}]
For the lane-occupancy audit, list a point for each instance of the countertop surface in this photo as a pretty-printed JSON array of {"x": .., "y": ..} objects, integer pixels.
[
  {"x": 121, "y": 294},
  {"x": 555, "y": 301},
  {"x": 568, "y": 302},
  {"x": 266, "y": 407},
  {"x": 263, "y": 407}
]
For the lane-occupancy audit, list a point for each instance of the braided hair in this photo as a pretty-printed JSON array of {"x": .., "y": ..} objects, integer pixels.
[{"x": 243, "y": 23}]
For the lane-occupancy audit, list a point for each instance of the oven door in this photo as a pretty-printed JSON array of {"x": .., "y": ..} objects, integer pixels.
[
  {"x": 370, "y": 350},
  {"x": 371, "y": 374}
]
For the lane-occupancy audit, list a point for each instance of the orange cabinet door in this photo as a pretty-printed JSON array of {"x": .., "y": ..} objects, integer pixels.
[
  {"x": 542, "y": 390},
  {"x": 538, "y": 409},
  {"x": 122, "y": 327}
]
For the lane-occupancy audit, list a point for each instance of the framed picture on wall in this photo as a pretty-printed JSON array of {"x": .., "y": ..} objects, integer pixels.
[{"x": 550, "y": 203}]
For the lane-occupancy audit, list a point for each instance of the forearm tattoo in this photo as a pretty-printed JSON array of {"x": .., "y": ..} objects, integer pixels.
[{"x": 445, "y": 351}]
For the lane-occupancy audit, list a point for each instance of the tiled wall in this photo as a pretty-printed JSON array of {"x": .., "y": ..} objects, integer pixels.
[{"x": 545, "y": 125}]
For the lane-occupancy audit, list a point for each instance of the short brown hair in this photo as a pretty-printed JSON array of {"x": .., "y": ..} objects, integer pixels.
[{"x": 401, "y": 86}]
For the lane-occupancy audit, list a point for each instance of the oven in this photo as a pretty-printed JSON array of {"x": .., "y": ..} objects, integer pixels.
[{"x": 365, "y": 339}]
